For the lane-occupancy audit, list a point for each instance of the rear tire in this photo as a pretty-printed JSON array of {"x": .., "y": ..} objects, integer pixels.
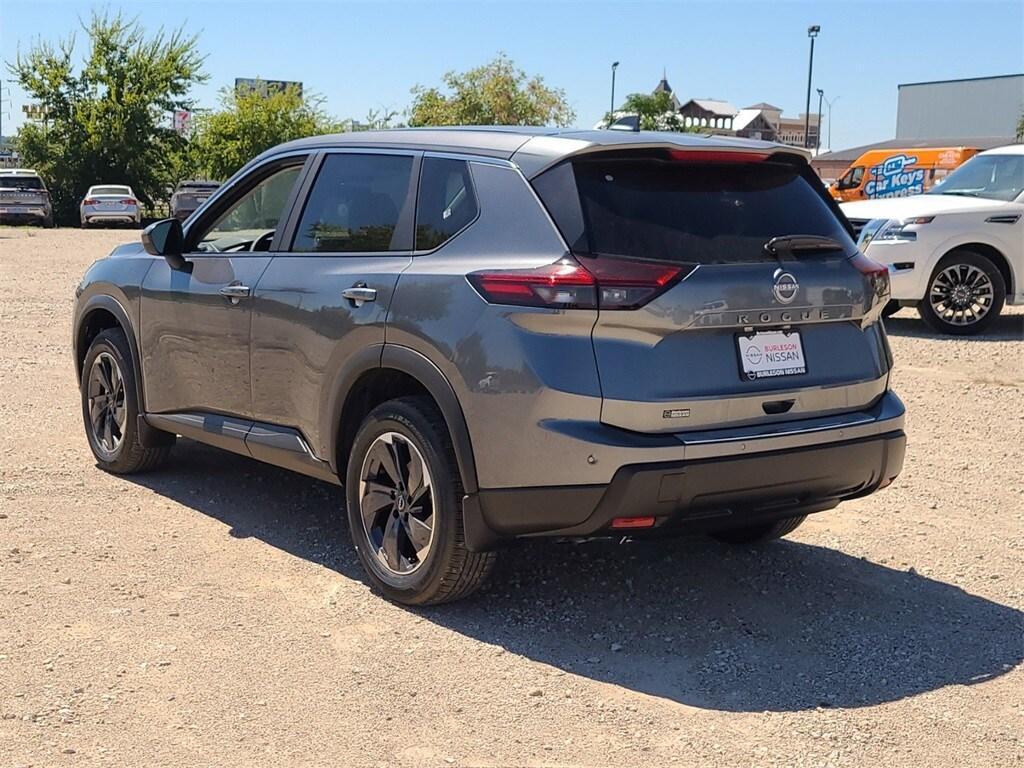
[
  {"x": 110, "y": 408},
  {"x": 972, "y": 280},
  {"x": 753, "y": 534},
  {"x": 408, "y": 530}
]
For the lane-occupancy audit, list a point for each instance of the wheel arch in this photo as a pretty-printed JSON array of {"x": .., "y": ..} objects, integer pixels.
[
  {"x": 99, "y": 313},
  {"x": 381, "y": 373}
]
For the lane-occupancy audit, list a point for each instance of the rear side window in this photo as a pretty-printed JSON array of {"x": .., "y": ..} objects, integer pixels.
[
  {"x": 21, "y": 182},
  {"x": 446, "y": 202},
  {"x": 355, "y": 204},
  {"x": 686, "y": 212}
]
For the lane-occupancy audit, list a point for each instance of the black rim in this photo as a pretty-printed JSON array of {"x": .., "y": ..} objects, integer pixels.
[
  {"x": 106, "y": 403},
  {"x": 396, "y": 503}
]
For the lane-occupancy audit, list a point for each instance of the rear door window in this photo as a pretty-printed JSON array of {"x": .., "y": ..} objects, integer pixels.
[
  {"x": 446, "y": 204},
  {"x": 687, "y": 212},
  {"x": 355, "y": 205}
]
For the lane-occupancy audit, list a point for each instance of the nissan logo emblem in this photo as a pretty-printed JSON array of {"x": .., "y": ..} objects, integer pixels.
[{"x": 785, "y": 287}]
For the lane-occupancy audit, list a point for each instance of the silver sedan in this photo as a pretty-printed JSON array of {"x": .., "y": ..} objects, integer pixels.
[{"x": 110, "y": 204}]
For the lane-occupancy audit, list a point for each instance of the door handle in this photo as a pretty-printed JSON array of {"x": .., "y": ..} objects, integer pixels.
[
  {"x": 359, "y": 294},
  {"x": 235, "y": 292}
]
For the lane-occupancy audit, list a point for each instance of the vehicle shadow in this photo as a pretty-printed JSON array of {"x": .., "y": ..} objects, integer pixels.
[
  {"x": 908, "y": 323},
  {"x": 784, "y": 627}
]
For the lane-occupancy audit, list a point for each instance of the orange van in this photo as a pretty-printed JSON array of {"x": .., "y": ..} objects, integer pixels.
[{"x": 898, "y": 172}]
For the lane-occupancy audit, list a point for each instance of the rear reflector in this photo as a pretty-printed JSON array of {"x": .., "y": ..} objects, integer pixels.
[
  {"x": 587, "y": 283},
  {"x": 632, "y": 522}
]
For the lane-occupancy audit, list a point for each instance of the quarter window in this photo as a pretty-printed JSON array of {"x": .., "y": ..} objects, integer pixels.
[
  {"x": 446, "y": 201},
  {"x": 355, "y": 204}
]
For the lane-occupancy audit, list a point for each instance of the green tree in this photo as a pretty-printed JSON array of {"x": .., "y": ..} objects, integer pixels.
[
  {"x": 497, "y": 93},
  {"x": 109, "y": 120},
  {"x": 656, "y": 112},
  {"x": 250, "y": 122}
]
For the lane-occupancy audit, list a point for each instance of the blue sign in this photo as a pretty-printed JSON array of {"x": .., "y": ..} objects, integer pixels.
[{"x": 896, "y": 177}]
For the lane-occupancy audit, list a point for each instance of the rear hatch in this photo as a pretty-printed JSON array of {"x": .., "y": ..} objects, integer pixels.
[
  {"x": 189, "y": 196},
  {"x": 764, "y": 310},
  {"x": 22, "y": 190}
]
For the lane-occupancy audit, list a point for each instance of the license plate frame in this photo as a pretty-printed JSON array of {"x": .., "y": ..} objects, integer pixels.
[{"x": 770, "y": 355}]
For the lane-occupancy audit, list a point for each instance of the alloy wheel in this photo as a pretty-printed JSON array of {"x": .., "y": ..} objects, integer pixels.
[
  {"x": 396, "y": 503},
  {"x": 107, "y": 407},
  {"x": 961, "y": 294}
]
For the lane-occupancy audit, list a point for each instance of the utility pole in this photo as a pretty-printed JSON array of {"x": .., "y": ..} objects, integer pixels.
[{"x": 812, "y": 32}]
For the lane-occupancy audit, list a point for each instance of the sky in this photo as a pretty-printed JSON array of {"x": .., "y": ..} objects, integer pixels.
[{"x": 367, "y": 56}]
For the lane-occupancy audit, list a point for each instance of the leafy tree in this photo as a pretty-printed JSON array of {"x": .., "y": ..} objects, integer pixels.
[
  {"x": 109, "y": 121},
  {"x": 656, "y": 112},
  {"x": 497, "y": 93},
  {"x": 250, "y": 122}
]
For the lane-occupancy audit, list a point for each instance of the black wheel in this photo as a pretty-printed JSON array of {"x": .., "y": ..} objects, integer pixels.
[
  {"x": 891, "y": 308},
  {"x": 753, "y": 534},
  {"x": 965, "y": 294},
  {"x": 404, "y": 502},
  {"x": 110, "y": 407},
  {"x": 48, "y": 222}
]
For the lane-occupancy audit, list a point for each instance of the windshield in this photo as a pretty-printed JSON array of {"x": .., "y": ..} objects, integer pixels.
[
  {"x": 110, "y": 191},
  {"x": 21, "y": 182},
  {"x": 999, "y": 177},
  {"x": 697, "y": 213}
]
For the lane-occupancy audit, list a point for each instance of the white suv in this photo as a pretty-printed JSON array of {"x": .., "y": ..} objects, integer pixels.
[{"x": 957, "y": 252}]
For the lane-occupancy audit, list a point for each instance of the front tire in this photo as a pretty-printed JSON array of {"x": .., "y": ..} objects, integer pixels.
[
  {"x": 403, "y": 497},
  {"x": 755, "y": 534},
  {"x": 110, "y": 408},
  {"x": 965, "y": 294}
]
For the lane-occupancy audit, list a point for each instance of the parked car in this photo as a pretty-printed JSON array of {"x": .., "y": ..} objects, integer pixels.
[
  {"x": 24, "y": 198},
  {"x": 957, "y": 252},
  {"x": 492, "y": 334},
  {"x": 884, "y": 173},
  {"x": 189, "y": 195},
  {"x": 106, "y": 204}
]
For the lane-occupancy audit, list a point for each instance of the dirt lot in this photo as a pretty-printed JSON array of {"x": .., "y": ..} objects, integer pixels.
[{"x": 213, "y": 613}]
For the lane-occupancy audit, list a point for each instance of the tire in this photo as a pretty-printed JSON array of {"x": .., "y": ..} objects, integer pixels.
[
  {"x": 984, "y": 294},
  {"x": 124, "y": 455},
  {"x": 400, "y": 565},
  {"x": 48, "y": 222},
  {"x": 753, "y": 534}
]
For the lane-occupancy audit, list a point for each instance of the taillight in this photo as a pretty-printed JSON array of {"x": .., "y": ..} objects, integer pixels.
[
  {"x": 878, "y": 280},
  {"x": 714, "y": 156},
  {"x": 90, "y": 201},
  {"x": 588, "y": 283},
  {"x": 128, "y": 201}
]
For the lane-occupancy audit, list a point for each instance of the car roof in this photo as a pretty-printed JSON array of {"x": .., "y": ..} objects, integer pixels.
[
  {"x": 532, "y": 149},
  {"x": 121, "y": 186},
  {"x": 17, "y": 172},
  {"x": 1009, "y": 149}
]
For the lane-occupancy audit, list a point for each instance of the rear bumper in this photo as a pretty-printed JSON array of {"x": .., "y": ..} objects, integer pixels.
[
  {"x": 25, "y": 214},
  {"x": 111, "y": 217},
  {"x": 721, "y": 490}
]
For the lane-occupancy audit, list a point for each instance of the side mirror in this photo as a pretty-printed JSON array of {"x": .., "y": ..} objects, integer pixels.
[{"x": 165, "y": 238}]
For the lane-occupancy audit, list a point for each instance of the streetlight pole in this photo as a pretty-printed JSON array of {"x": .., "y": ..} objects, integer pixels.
[
  {"x": 829, "y": 103},
  {"x": 812, "y": 32},
  {"x": 611, "y": 111},
  {"x": 817, "y": 132}
]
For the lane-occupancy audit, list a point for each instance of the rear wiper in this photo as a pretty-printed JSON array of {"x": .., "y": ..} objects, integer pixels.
[{"x": 798, "y": 243}]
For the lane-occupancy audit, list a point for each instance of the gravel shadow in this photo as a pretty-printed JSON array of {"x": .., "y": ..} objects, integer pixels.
[
  {"x": 1006, "y": 327},
  {"x": 784, "y": 627}
]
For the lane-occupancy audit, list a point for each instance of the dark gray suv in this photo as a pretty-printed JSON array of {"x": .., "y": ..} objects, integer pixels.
[{"x": 491, "y": 334}]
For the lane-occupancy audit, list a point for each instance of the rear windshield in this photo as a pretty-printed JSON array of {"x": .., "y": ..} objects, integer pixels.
[
  {"x": 110, "y": 191},
  {"x": 21, "y": 182},
  {"x": 696, "y": 213},
  {"x": 197, "y": 186}
]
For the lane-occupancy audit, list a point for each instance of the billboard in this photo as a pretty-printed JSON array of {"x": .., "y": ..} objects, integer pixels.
[{"x": 264, "y": 87}]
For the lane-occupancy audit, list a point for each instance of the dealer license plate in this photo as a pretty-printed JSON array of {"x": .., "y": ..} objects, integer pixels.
[{"x": 771, "y": 353}]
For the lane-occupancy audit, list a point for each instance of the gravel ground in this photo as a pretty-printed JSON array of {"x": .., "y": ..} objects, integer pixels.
[{"x": 213, "y": 613}]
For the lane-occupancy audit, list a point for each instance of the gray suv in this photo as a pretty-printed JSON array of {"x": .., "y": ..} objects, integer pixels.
[{"x": 487, "y": 334}]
